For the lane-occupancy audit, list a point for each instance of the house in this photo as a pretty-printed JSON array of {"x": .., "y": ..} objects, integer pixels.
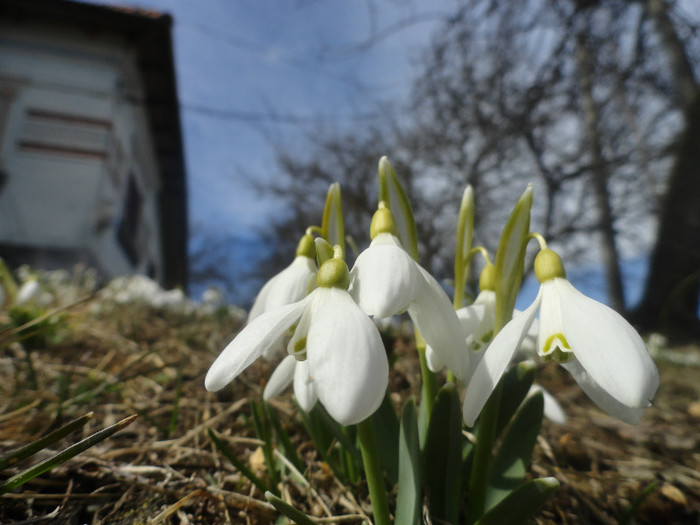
[{"x": 91, "y": 155}]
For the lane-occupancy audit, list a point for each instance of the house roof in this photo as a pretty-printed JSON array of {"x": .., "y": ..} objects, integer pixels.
[{"x": 150, "y": 33}]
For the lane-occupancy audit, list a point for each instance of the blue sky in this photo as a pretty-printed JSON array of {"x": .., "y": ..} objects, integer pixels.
[{"x": 257, "y": 64}]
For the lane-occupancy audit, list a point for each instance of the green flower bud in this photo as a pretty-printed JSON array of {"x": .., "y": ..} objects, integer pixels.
[
  {"x": 306, "y": 246},
  {"x": 333, "y": 274},
  {"x": 487, "y": 279},
  {"x": 382, "y": 222},
  {"x": 548, "y": 266}
]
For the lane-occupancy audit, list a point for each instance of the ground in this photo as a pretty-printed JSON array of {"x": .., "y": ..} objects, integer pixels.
[{"x": 117, "y": 358}]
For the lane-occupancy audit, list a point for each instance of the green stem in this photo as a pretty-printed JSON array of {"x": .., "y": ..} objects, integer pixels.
[
  {"x": 374, "y": 474},
  {"x": 428, "y": 380}
]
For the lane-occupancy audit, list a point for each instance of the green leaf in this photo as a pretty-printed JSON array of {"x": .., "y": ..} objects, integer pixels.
[
  {"x": 630, "y": 511},
  {"x": 333, "y": 229},
  {"x": 386, "y": 431},
  {"x": 240, "y": 465},
  {"x": 408, "y": 498},
  {"x": 510, "y": 258},
  {"x": 293, "y": 514},
  {"x": 63, "y": 456},
  {"x": 521, "y": 504},
  {"x": 465, "y": 233},
  {"x": 324, "y": 250},
  {"x": 288, "y": 447},
  {"x": 516, "y": 385},
  {"x": 264, "y": 433},
  {"x": 511, "y": 462},
  {"x": 394, "y": 196},
  {"x": 442, "y": 456},
  {"x": 41, "y": 443}
]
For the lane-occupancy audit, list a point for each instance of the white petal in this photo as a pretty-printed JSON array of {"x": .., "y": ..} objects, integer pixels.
[
  {"x": 304, "y": 387},
  {"x": 288, "y": 286},
  {"x": 251, "y": 342},
  {"x": 281, "y": 378},
  {"x": 600, "y": 397},
  {"x": 384, "y": 279},
  {"x": 435, "y": 318},
  {"x": 608, "y": 348},
  {"x": 552, "y": 409},
  {"x": 346, "y": 357},
  {"x": 432, "y": 359},
  {"x": 495, "y": 360}
]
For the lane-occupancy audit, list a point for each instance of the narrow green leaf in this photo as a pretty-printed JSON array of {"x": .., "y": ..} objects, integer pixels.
[
  {"x": 465, "y": 233},
  {"x": 41, "y": 443},
  {"x": 292, "y": 513},
  {"x": 510, "y": 258},
  {"x": 63, "y": 456},
  {"x": 511, "y": 462},
  {"x": 324, "y": 250},
  {"x": 442, "y": 456},
  {"x": 409, "y": 497},
  {"x": 393, "y": 194},
  {"x": 264, "y": 433},
  {"x": 332, "y": 227},
  {"x": 174, "y": 415},
  {"x": 516, "y": 385},
  {"x": 630, "y": 511},
  {"x": 241, "y": 466},
  {"x": 386, "y": 432},
  {"x": 290, "y": 451},
  {"x": 521, "y": 504}
]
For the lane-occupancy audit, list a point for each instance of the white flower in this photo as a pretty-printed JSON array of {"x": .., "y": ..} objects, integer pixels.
[
  {"x": 606, "y": 356},
  {"x": 288, "y": 286},
  {"x": 344, "y": 361},
  {"x": 386, "y": 281},
  {"x": 552, "y": 409}
]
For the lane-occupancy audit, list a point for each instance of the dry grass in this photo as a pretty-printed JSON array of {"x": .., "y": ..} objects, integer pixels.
[{"x": 121, "y": 359}]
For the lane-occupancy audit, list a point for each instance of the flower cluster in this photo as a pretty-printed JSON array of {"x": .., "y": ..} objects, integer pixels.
[{"x": 336, "y": 355}]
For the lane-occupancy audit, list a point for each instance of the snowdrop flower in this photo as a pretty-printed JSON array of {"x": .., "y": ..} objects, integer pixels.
[
  {"x": 386, "y": 281},
  {"x": 338, "y": 355},
  {"x": 552, "y": 409},
  {"x": 606, "y": 356},
  {"x": 291, "y": 284}
]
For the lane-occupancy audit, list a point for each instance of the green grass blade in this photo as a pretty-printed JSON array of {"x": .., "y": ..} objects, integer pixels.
[
  {"x": 228, "y": 454},
  {"x": 63, "y": 456},
  {"x": 293, "y": 514},
  {"x": 40, "y": 444}
]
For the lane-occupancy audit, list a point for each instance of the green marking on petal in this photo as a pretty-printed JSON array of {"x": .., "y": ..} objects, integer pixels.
[
  {"x": 557, "y": 347},
  {"x": 299, "y": 350},
  {"x": 486, "y": 338}
]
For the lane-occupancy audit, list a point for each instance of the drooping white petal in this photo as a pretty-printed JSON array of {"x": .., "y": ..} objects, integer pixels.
[
  {"x": 432, "y": 360},
  {"x": 552, "y": 409},
  {"x": 288, "y": 286},
  {"x": 495, "y": 360},
  {"x": 600, "y": 397},
  {"x": 346, "y": 357},
  {"x": 251, "y": 342},
  {"x": 281, "y": 378},
  {"x": 304, "y": 387},
  {"x": 611, "y": 352},
  {"x": 435, "y": 318},
  {"x": 384, "y": 279}
]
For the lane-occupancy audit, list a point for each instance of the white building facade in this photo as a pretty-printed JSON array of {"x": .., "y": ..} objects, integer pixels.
[{"x": 91, "y": 159}]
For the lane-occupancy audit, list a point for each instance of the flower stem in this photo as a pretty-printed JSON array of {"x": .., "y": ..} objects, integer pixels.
[
  {"x": 374, "y": 473},
  {"x": 428, "y": 379}
]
